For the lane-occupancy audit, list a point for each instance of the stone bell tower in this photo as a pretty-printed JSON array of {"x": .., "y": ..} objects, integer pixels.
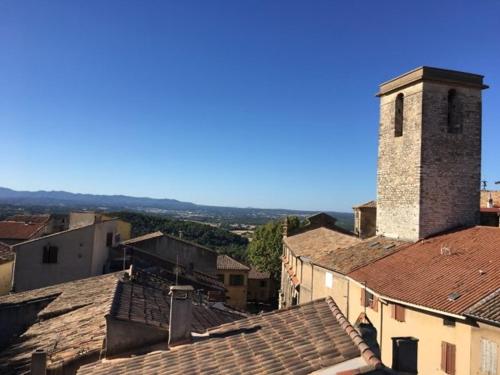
[{"x": 429, "y": 156}]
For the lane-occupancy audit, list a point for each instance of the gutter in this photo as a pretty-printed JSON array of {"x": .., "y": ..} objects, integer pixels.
[{"x": 419, "y": 307}]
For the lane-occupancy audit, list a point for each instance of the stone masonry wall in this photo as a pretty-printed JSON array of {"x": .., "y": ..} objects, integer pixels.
[
  {"x": 398, "y": 174},
  {"x": 451, "y": 163}
]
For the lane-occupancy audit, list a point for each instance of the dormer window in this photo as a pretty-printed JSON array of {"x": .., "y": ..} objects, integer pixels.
[
  {"x": 454, "y": 118},
  {"x": 398, "y": 116}
]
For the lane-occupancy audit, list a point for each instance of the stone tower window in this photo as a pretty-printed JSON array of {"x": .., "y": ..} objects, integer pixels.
[
  {"x": 454, "y": 120},
  {"x": 398, "y": 116}
]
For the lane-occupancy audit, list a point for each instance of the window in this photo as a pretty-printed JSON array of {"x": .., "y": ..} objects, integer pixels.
[
  {"x": 221, "y": 277},
  {"x": 263, "y": 283},
  {"x": 454, "y": 118},
  {"x": 329, "y": 280},
  {"x": 49, "y": 254},
  {"x": 369, "y": 300},
  {"x": 236, "y": 280},
  {"x": 448, "y": 352},
  {"x": 489, "y": 357},
  {"x": 398, "y": 313},
  {"x": 405, "y": 354},
  {"x": 398, "y": 115},
  {"x": 109, "y": 239}
]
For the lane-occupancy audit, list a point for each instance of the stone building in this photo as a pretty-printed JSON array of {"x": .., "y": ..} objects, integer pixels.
[
  {"x": 234, "y": 275},
  {"x": 365, "y": 219},
  {"x": 429, "y": 160}
]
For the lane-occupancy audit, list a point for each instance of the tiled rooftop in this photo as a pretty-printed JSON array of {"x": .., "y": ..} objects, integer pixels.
[
  {"x": 370, "y": 204},
  {"x": 6, "y": 253},
  {"x": 449, "y": 272},
  {"x": 298, "y": 340},
  {"x": 72, "y": 326},
  {"x": 225, "y": 262},
  {"x": 151, "y": 306},
  {"x": 488, "y": 309},
  {"x": 143, "y": 238},
  {"x": 29, "y": 218},
  {"x": 17, "y": 230},
  {"x": 348, "y": 259},
  {"x": 257, "y": 275},
  {"x": 316, "y": 243}
]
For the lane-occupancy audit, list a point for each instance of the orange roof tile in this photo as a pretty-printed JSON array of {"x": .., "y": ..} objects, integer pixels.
[
  {"x": 449, "y": 272},
  {"x": 225, "y": 262},
  {"x": 18, "y": 230}
]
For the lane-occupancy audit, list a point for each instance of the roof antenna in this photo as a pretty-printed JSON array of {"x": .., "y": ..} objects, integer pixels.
[{"x": 484, "y": 183}]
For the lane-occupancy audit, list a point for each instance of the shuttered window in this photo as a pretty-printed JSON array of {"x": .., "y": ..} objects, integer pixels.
[
  {"x": 489, "y": 360},
  {"x": 398, "y": 313},
  {"x": 49, "y": 254},
  {"x": 448, "y": 354}
]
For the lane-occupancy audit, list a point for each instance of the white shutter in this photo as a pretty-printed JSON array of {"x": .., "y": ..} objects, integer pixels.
[
  {"x": 488, "y": 357},
  {"x": 328, "y": 280}
]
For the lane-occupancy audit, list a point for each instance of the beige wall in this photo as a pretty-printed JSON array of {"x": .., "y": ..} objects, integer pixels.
[
  {"x": 236, "y": 296},
  {"x": 6, "y": 277},
  {"x": 82, "y": 252},
  {"x": 428, "y": 328}
]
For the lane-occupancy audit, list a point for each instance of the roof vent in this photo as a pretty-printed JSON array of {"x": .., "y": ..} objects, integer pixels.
[
  {"x": 453, "y": 296},
  {"x": 445, "y": 250},
  {"x": 482, "y": 272},
  {"x": 374, "y": 244},
  {"x": 390, "y": 246}
]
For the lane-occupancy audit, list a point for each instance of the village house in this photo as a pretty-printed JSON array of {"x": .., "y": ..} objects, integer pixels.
[
  {"x": 69, "y": 255},
  {"x": 261, "y": 288},
  {"x": 234, "y": 275},
  {"x": 84, "y": 218},
  {"x": 365, "y": 219},
  {"x": 57, "y": 329}
]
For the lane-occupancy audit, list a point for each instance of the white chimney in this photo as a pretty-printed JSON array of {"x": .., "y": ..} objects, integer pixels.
[{"x": 490, "y": 201}]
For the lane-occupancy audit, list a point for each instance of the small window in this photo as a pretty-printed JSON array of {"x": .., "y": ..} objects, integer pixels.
[
  {"x": 109, "y": 239},
  {"x": 220, "y": 277},
  {"x": 448, "y": 353},
  {"x": 454, "y": 118},
  {"x": 489, "y": 359},
  {"x": 236, "y": 280},
  {"x": 367, "y": 298},
  {"x": 329, "y": 280},
  {"x": 49, "y": 254},
  {"x": 398, "y": 115},
  {"x": 263, "y": 283},
  {"x": 449, "y": 322},
  {"x": 398, "y": 313}
]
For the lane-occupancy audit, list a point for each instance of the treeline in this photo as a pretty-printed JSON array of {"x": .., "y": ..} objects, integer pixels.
[{"x": 222, "y": 241}]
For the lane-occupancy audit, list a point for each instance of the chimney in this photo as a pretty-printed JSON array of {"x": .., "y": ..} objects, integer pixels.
[
  {"x": 181, "y": 314},
  {"x": 39, "y": 362},
  {"x": 490, "y": 201}
]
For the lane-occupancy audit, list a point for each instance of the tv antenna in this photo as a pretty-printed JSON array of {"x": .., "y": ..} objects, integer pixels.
[{"x": 484, "y": 183}]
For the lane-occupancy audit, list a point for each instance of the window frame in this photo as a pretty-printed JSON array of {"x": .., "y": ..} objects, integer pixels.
[
  {"x": 238, "y": 276},
  {"x": 399, "y": 107},
  {"x": 50, "y": 254}
]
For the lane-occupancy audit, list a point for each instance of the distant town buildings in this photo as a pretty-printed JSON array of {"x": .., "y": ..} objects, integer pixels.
[{"x": 234, "y": 275}]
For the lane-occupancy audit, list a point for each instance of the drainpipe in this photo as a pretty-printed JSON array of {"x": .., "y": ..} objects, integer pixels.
[
  {"x": 39, "y": 362},
  {"x": 381, "y": 326}
]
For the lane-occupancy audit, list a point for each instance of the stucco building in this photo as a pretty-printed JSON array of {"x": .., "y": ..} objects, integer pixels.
[
  {"x": 234, "y": 275},
  {"x": 6, "y": 267},
  {"x": 365, "y": 219},
  {"x": 69, "y": 255}
]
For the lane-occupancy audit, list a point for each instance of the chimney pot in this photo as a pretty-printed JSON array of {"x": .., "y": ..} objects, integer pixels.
[
  {"x": 39, "y": 362},
  {"x": 181, "y": 313}
]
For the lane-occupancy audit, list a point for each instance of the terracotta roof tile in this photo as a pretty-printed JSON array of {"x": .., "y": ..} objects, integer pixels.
[
  {"x": 142, "y": 238},
  {"x": 347, "y": 259},
  {"x": 225, "y": 262},
  {"x": 449, "y": 272},
  {"x": 254, "y": 274},
  {"x": 317, "y": 242},
  {"x": 370, "y": 204},
  {"x": 488, "y": 309},
  {"x": 39, "y": 219},
  {"x": 297, "y": 340},
  {"x": 17, "y": 230}
]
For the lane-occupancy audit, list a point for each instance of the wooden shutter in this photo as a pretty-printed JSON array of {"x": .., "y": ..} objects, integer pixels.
[
  {"x": 448, "y": 356},
  {"x": 375, "y": 304},
  {"x": 363, "y": 297}
]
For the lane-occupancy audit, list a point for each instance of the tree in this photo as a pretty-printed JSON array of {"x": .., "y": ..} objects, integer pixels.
[{"x": 265, "y": 249}]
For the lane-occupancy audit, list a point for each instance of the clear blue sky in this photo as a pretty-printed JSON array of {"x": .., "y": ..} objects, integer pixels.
[{"x": 242, "y": 103}]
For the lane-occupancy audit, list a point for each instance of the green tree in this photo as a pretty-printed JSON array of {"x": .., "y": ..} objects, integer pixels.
[{"x": 265, "y": 249}]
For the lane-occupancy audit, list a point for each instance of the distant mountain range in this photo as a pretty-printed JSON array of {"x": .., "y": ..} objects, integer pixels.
[{"x": 65, "y": 201}]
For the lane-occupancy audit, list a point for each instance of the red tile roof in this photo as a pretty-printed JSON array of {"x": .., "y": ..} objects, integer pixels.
[
  {"x": 298, "y": 340},
  {"x": 448, "y": 272},
  {"x": 17, "y": 230},
  {"x": 257, "y": 275},
  {"x": 487, "y": 310},
  {"x": 37, "y": 219},
  {"x": 225, "y": 262},
  {"x": 370, "y": 204},
  {"x": 490, "y": 209}
]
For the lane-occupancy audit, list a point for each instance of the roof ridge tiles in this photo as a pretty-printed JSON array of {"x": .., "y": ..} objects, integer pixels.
[{"x": 366, "y": 352}]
